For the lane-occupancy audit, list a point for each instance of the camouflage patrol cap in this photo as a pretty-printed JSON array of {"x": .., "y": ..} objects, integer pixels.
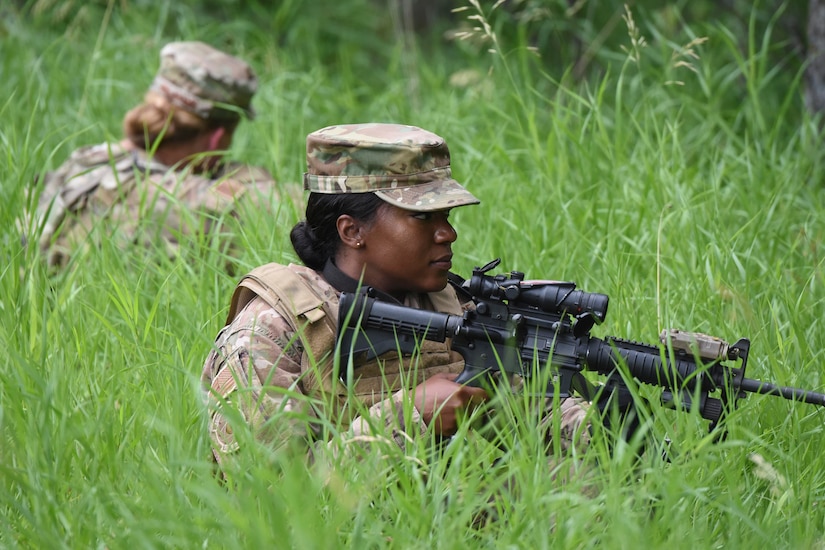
[
  {"x": 205, "y": 81},
  {"x": 404, "y": 165}
]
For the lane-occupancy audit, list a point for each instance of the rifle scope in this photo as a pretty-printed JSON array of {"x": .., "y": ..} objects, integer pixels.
[{"x": 548, "y": 296}]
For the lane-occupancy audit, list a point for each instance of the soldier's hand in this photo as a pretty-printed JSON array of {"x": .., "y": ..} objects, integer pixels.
[{"x": 441, "y": 402}]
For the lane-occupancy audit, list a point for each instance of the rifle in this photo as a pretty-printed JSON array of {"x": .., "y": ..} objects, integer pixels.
[{"x": 519, "y": 327}]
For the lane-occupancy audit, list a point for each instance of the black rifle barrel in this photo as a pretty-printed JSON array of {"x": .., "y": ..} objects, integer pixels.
[
  {"x": 645, "y": 364},
  {"x": 793, "y": 394}
]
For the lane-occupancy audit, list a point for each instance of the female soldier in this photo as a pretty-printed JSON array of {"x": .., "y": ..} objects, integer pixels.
[
  {"x": 377, "y": 216},
  {"x": 167, "y": 171}
]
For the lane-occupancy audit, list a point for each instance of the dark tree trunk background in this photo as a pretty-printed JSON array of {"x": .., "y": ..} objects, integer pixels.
[{"x": 815, "y": 71}]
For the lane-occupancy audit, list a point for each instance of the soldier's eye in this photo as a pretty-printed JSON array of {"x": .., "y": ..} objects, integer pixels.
[{"x": 441, "y": 214}]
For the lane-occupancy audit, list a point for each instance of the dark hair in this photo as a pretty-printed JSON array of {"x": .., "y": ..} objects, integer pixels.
[{"x": 316, "y": 238}]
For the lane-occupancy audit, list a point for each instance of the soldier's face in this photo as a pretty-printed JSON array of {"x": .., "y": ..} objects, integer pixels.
[{"x": 406, "y": 251}]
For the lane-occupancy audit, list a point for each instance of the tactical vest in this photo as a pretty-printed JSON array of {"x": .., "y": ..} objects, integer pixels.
[{"x": 314, "y": 319}]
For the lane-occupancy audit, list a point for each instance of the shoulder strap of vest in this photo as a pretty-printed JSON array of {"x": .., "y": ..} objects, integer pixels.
[
  {"x": 309, "y": 315},
  {"x": 280, "y": 287}
]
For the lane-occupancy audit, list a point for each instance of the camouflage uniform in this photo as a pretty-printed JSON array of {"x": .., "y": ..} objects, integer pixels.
[
  {"x": 122, "y": 194},
  {"x": 261, "y": 364},
  {"x": 273, "y": 359},
  {"x": 106, "y": 192}
]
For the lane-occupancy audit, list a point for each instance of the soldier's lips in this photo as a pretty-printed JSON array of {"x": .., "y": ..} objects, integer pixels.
[{"x": 445, "y": 263}]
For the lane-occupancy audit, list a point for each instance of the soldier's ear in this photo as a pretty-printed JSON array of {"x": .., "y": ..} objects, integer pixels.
[{"x": 349, "y": 230}]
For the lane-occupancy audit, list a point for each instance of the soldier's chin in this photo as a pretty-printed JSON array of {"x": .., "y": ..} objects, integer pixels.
[{"x": 437, "y": 286}]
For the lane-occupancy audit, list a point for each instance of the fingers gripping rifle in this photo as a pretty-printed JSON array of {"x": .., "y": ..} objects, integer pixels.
[{"x": 519, "y": 327}]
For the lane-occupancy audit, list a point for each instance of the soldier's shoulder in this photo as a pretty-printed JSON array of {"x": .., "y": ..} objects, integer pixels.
[
  {"x": 315, "y": 279},
  {"x": 246, "y": 173},
  {"x": 81, "y": 171},
  {"x": 258, "y": 309},
  {"x": 94, "y": 155},
  {"x": 295, "y": 280}
]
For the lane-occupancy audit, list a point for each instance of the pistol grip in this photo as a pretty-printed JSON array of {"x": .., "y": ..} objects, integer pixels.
[{"x": 471, "y": 376}]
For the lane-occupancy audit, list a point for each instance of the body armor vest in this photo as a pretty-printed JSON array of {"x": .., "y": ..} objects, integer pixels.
[{"x": 315, "y": 320}]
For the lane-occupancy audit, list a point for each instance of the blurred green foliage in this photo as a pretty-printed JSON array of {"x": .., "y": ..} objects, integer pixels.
[
  {"x": 569, "y": 33},
  {"x": 755, "y": 49}
]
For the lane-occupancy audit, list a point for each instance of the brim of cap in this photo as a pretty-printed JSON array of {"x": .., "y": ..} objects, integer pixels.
[{"x": 428, "y": 197}]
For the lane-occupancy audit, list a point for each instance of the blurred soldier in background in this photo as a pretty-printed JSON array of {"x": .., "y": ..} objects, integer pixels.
[{"x": 166, "y": 180}]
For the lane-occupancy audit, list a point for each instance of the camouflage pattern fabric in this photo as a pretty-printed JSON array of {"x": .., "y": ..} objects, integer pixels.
[
  {"x": 204, "y": 81},
  {"x": 259, "y": 367},
  {"x": 404, "y": 165},
  {"x": 104, "y": 192},
  {"x": 257, "y": 372}
]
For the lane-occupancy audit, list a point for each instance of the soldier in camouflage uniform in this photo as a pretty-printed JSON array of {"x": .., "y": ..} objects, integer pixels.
[
  {"x": 380, "y": 198},
  {"x": 166, "y": 180}
]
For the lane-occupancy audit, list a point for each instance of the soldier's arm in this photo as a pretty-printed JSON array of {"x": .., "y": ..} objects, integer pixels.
[
  {"x": 437, "y": 405},
  {"x": 253, "y": 375},
  {"x": 394, "y": 421}
]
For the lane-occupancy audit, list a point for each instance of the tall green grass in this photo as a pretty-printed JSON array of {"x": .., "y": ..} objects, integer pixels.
[{"x": 694, "y": 205}]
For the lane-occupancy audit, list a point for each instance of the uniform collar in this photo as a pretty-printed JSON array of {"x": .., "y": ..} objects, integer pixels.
[{"x": 344, "y": 283}]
